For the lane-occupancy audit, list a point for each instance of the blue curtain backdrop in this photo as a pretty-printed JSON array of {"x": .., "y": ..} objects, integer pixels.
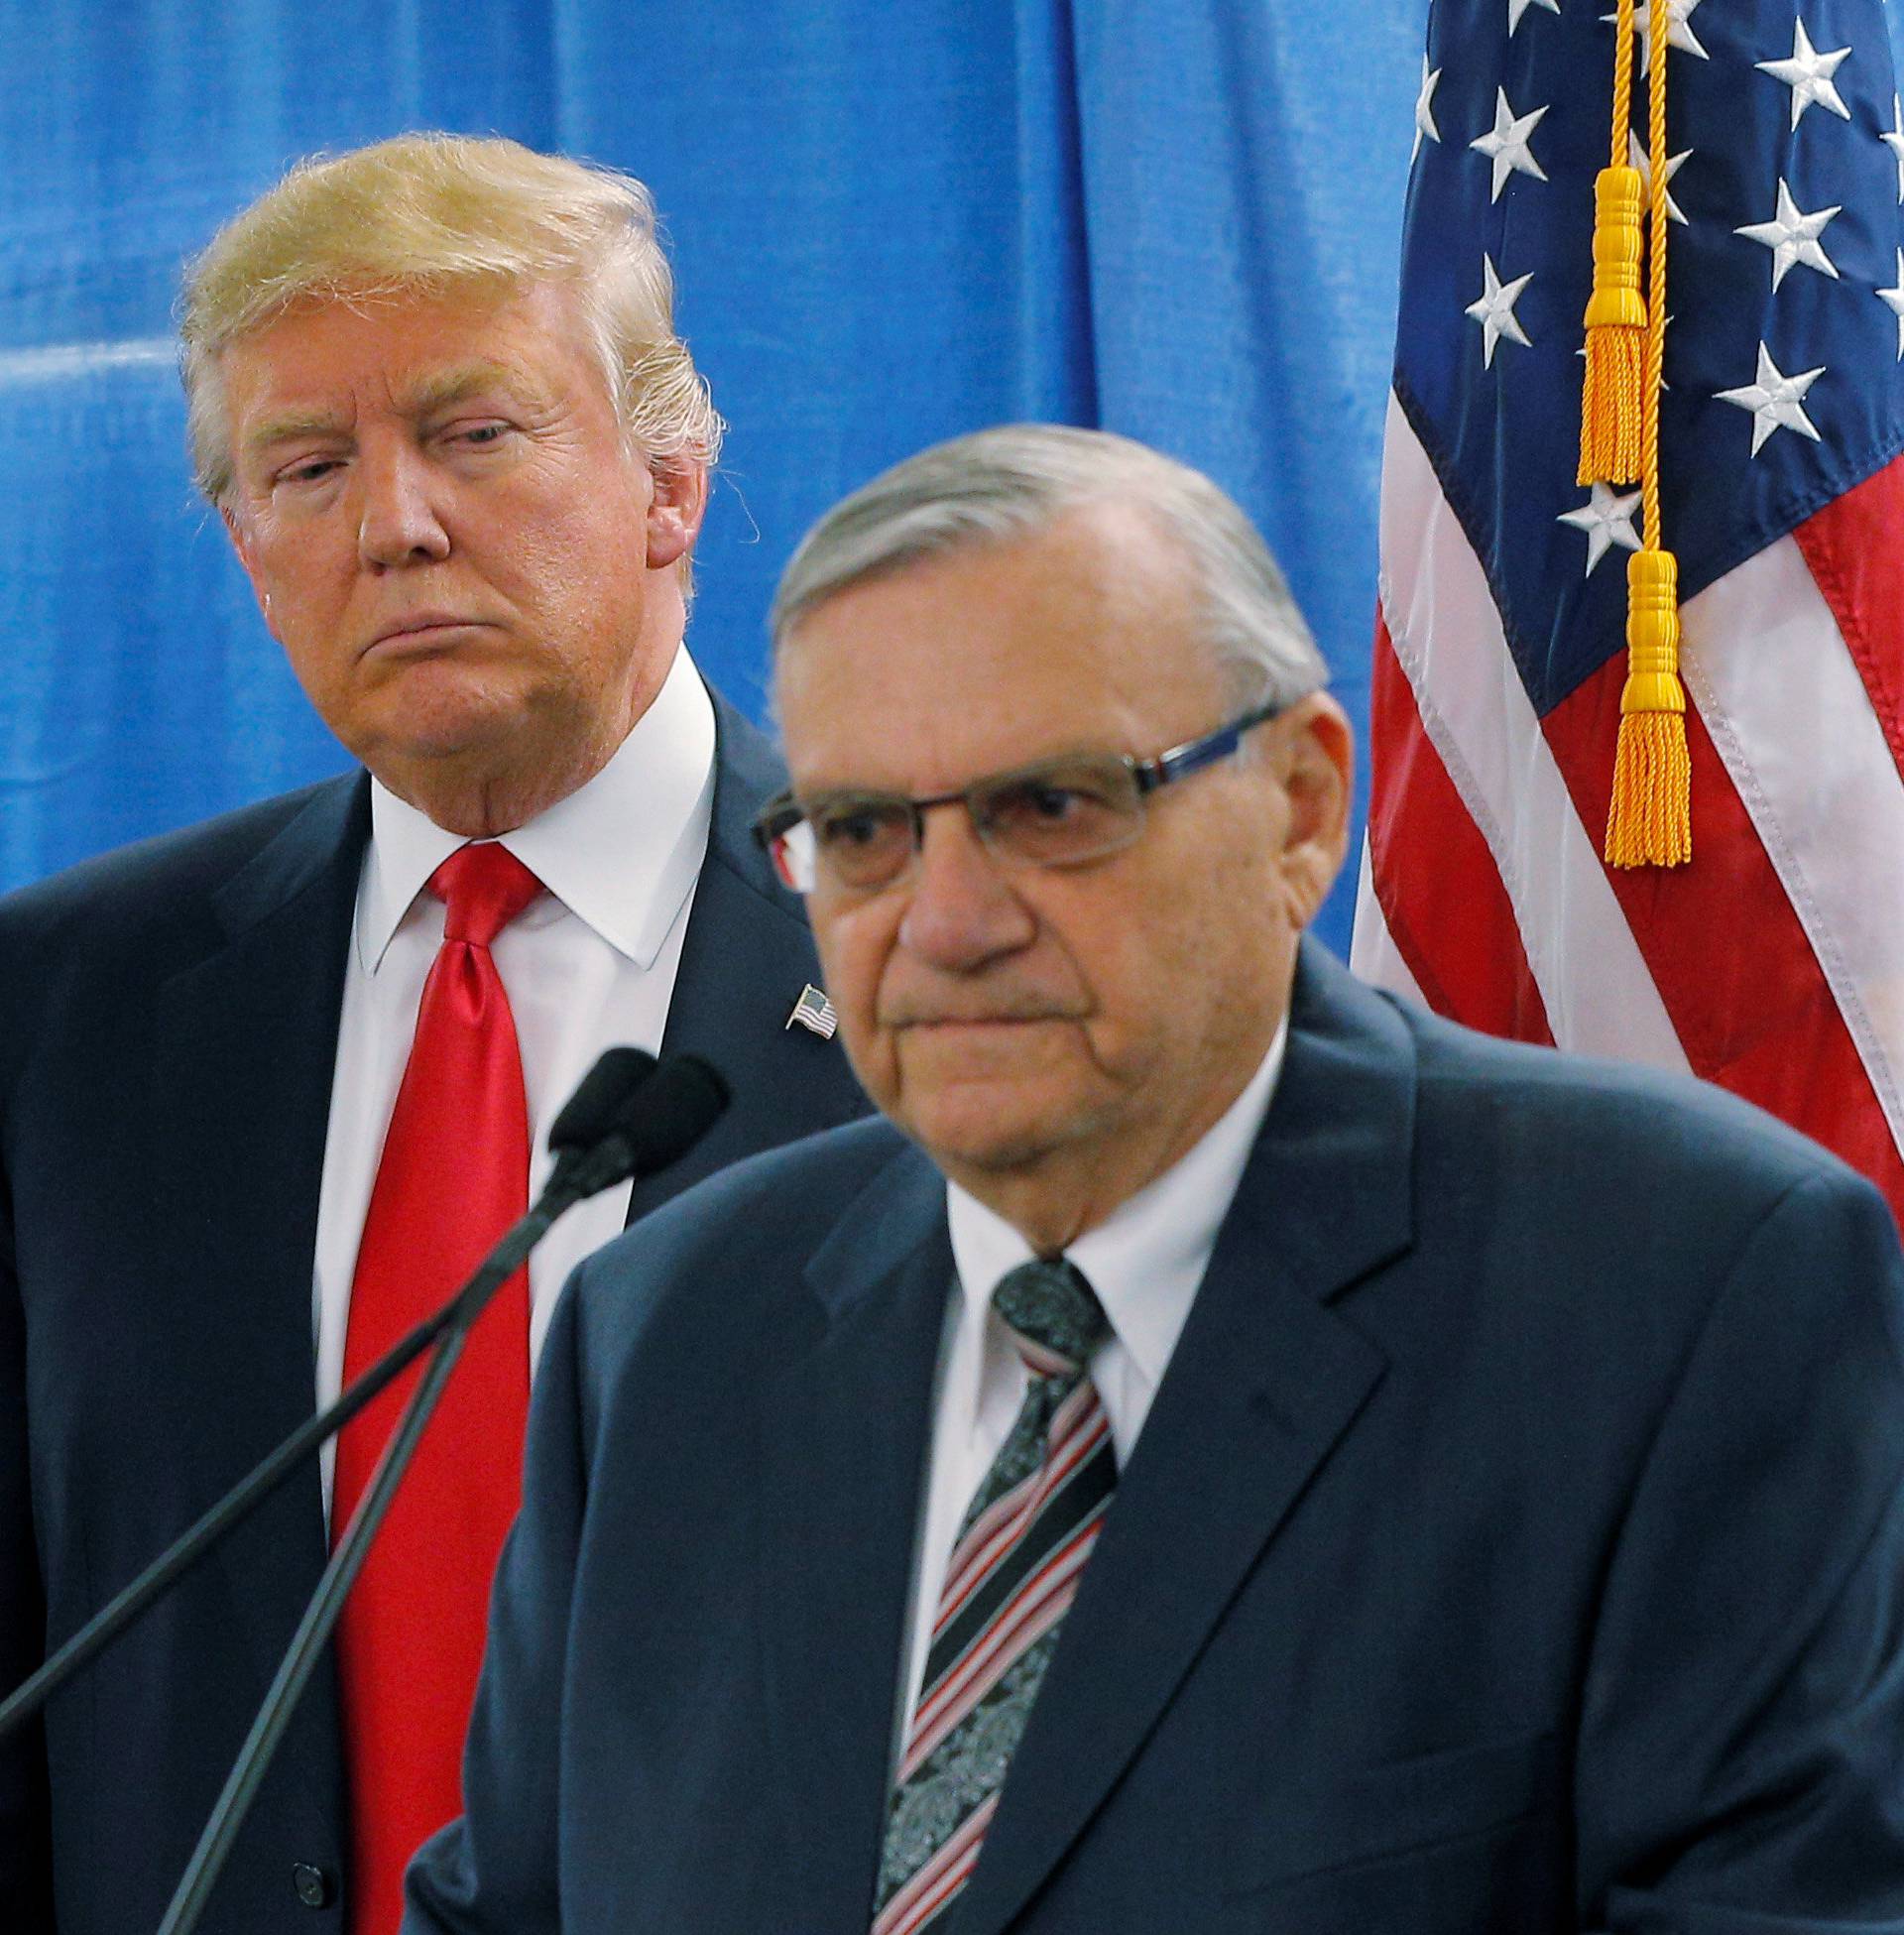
[{"x": 892, "y": 222}]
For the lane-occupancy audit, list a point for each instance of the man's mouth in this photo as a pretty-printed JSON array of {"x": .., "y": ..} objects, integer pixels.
[{"x": 420, "y": 630}]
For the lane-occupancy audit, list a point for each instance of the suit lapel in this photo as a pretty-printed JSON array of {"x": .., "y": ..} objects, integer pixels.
[
  {"x": 845, "y": 1443},
  {"x": 245, "y": 1044},
  {"x": 1265, "y": 1381},
  {"x": 745, "y": 958}
]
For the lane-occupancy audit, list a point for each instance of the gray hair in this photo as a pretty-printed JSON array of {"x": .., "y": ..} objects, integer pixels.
[
  {"x": 431, "y": 214},
  {"x": 1012, "y": 482}
]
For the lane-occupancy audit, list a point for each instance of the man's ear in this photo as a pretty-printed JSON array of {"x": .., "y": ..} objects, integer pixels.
[
  {"x": 242, "y": 544},
  {"x": 675, "y": 511},
  {"x": 1318, "y": 775}
]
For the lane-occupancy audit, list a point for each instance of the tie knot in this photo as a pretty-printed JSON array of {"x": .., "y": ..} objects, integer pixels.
[
  {"x": 1053, "y": 1316},
  {"x": 483, "y": 888}
]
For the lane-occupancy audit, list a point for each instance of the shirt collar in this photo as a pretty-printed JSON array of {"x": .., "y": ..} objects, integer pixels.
[
  {"x": 1147, "y": 1258},
  {"x": 622, "y": 851}
]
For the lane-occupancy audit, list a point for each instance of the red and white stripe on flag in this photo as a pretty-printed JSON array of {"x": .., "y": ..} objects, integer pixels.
[{"x": 1774, "y": 964}]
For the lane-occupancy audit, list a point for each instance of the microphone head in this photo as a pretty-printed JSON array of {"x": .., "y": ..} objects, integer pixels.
[
  {"x": 601, "y": 1099},
  {"x": 672, "y": 1112}
]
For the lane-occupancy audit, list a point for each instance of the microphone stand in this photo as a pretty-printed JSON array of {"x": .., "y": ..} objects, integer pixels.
[
  {"x": 321, "y": 1616},
  {"x": 686, "y": 1097},
  {"x": 602, "y": 1135}
]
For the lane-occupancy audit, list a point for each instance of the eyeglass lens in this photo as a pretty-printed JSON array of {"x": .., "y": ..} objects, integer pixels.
[{"x": 1050, "y": 815}]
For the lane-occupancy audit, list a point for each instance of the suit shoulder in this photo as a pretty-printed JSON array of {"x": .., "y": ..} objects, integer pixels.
[
  {"x": 1508, "y": 1115},
  {"x": 93, "y": 947},
  {"x": 749, "y": 1227},
  {"x": 1610, "y": 1122},
  {"x": 770, "y": 1202},
  {"x": 133, "y": 886}
]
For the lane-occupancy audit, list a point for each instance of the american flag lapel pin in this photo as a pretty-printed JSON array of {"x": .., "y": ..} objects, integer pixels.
[{"x": 816, "y": 1013}]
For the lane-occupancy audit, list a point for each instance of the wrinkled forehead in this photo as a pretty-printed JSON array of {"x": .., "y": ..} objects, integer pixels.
[{"x": 993, "y": 656}]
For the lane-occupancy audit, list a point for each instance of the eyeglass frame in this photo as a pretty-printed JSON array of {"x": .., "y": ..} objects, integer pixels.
[{"x": 783, "y": 812}]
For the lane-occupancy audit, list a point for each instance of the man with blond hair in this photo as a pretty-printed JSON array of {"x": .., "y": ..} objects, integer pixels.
[{"x": 270, "y": 1086}]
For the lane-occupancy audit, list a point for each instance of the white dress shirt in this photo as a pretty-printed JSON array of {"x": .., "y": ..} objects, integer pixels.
[
  {"x": 587, "y": 965},
  {"x": 1144, "y": 1262}
]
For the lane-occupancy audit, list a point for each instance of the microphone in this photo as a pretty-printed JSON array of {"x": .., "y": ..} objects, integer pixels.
[
  {"x": 608, "y": 1132},
  {"x": 660, "y": 1121},
  {"x": 683, "y": 1102},
  {"x": 595, "y": 1108}
]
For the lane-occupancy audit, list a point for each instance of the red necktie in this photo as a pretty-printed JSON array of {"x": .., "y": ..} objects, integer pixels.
[{"x": 454, "y": 1175}]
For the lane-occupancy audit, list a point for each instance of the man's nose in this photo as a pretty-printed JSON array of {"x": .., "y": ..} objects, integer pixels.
[
  {"x": 962, "y": 910},
  {"x": 398, "y": 521}
]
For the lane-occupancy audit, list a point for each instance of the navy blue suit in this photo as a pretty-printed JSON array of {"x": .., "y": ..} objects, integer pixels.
[
  {"x": 167, "y": 1027},
  {"x": 1516, "y": 1542}
]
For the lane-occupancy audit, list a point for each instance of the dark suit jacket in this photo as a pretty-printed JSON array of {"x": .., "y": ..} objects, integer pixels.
[
  {"x": 1516, "y": 1542},
  {"x": 167, "y": 1024}
]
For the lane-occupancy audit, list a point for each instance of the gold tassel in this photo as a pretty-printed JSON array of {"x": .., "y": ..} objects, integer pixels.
[
  {"x": 1650, "y": 822},
  {"x": 1614, "y": 394}
]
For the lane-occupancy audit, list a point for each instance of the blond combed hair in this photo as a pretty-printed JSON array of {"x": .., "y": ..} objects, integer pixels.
[{"x": 432, "y": 213}]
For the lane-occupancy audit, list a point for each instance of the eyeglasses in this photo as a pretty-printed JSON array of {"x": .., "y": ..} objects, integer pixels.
[{"x": 1059, "y": 812}]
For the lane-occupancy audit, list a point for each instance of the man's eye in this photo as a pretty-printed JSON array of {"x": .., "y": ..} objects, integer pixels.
[
  {"x": 1046, "y": 801},
  {"x": 1049, "y": 801},
  {"x": 480, "y": 435},
  {"x": 1055, "y": 817},
  {"x": 853, "y": 828},
  {"x": 310, "y": 471}
]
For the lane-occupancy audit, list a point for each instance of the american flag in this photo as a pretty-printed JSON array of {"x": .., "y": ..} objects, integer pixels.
[
  {"x": 814, "y": 1013},
  {"x": 1773, "y": 963}
]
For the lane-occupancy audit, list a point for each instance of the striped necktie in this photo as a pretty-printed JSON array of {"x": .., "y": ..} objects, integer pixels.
[{"x": 1011, "y": 1576}]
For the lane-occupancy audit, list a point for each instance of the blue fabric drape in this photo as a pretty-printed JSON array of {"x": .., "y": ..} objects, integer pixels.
[{"x": 1176, "y": 218}]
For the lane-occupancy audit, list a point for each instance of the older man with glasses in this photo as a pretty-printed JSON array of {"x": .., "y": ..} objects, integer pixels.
[{"x": 1228, "y": 1451}]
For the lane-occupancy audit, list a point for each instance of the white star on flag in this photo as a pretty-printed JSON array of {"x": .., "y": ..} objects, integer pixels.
[
  {"x": 1792, "y": 236},
  {"x": 1495, "y": 310},
  {"x": 1506, "y": 145},
  {"x": 1425, "y": 109},
  {"x": 1678, "y": 33},
  {"x": 1517, "y": 9},
  {"x": 1893, "y": 299},
  {"x": 1894, "y": 141},
  {"x": 1808, "y": 73},
  {"x": 1607, "y": 520},
  {"x": 1777, "y": 401},
  {"x": 1637, "y": 157}
]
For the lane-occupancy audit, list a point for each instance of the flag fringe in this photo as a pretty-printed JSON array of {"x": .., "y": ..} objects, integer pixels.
[
  {"x": 1650, "y": 822},
  {"x": 1609, "y": 412}
]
